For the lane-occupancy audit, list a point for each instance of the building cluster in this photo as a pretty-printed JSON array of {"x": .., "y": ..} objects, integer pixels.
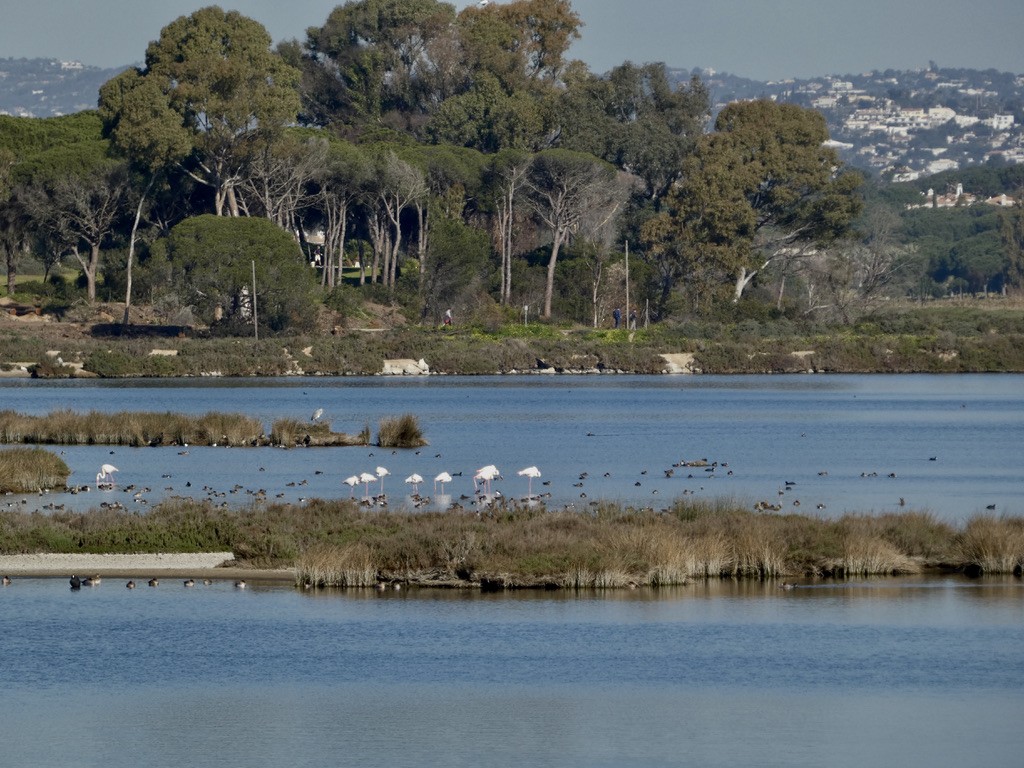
[
  {"x": 906, "y": 125},
  {"x": 960, "y": 199}
]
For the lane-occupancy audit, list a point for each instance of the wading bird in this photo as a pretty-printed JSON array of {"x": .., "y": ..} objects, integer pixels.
[
  {"x": 485, "y": 475},
  {"x": 414, "y": 480},
  {"x": 317, "y": 414},
  {"x": 442, "y": 478},
  {"x": 529, "y": 473},
  {"x": 105, "y": 477},
  {"x": 382, "y": 472},
  {"x": 352, "y": 482},
  {"x": 366, "y": 478}
]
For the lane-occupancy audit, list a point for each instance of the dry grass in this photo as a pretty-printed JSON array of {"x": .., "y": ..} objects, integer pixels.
[
  {"x": 28, "y": 470},
  {"x": 992, "y": 545},
  {"x": 292, "y": 432},
  {"x": 400, "y": 432}
]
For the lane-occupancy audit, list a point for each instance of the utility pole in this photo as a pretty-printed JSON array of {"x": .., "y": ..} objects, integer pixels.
[
  {"x": 255, "y": 323},
  {"x": 626, "y": 313}
]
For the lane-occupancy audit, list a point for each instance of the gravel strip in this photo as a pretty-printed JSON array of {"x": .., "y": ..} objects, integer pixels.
[{"x": 82, "y": 563}]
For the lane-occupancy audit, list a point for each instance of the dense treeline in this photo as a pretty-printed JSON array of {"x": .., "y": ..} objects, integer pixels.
[{"x": 428, "y": 158}]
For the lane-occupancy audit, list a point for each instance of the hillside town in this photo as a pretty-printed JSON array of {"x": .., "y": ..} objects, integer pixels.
[{"x": 904, "y": 125}]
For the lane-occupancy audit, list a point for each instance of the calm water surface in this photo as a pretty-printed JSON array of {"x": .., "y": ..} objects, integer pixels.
[
  {"x": 949, "y": 444},
  {"x": 890, "y": 672}
]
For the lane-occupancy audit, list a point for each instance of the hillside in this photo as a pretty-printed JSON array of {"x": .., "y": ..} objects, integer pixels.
[{"x": 48, "y": 88}]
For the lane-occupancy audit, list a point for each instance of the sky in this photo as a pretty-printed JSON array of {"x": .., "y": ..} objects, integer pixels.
[{"x": 759, "y": 39}]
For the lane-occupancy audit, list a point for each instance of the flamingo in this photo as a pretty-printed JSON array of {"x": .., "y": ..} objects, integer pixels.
[
  {"x": 485, "y": 475},
  {"x": 106, "y": 475},
  {"x": 442, "y": 478},
  {"x": 382, "y": 472},
  {"x": 352, "y": 482},
  {"x": 366, "y": 478},
  {"x": 414, "y": 480},
  {"x": 529, "y": 473}
]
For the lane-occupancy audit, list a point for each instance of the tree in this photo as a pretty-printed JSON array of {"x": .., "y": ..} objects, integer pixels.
[
  {"x": 758, "y": 185},
  {"x": 507, "y": 177},
  {"x": 340, "y": 183},
  {"x": 564, "y": 187},
  {"x": 377, "y": 55},
  {"x": 211, "y": 262},
  {"x": 1012, "y": 234},
  {"x": 211, "y": 79}
]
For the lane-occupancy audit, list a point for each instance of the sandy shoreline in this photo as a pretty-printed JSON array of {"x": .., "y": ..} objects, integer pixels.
[{"x": 212, "y": 565}]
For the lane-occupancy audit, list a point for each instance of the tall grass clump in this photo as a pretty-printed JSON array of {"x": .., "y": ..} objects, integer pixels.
[
  {"x": 27, "y": 470},
  {"x": 992, "y": 545},
  {"x": 293, "y": 432},
  {"x": 400, "y": 432},
  {"x": 337, "y": 566}
]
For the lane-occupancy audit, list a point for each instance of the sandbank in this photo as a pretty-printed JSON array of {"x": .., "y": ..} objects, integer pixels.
[{"x": 212, "y": 565}]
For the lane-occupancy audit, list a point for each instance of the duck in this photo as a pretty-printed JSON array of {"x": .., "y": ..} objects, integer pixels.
[
  {"x": 7, "y": 581},
  {"x": 130, "y": 585},
  {"x": 153, "y": 582},
  {"x": 189, "y": 583},
  {"x": 240, "y": 584},
  {"x": 76, "y": 583}
]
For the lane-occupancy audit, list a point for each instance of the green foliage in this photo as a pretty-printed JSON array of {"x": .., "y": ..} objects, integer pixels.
[
  {"x": 29, "y": 470},
  {"x": 212, "y": 259}
]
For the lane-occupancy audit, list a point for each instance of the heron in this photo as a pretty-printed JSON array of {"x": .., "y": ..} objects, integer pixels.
[
  {"x": 529, "y": 473},
  {"x": 352, "y": 482},
  {"x": 414, "y": 480},
  {"x": 317, "y": 414},
  {"x": 382, "y": 472},
  {"x": 105, "y": 477},
  {"x": 442, "y": 478},
  {"x": 366, "y": 478},
  {"x": 485, "y": 475}
]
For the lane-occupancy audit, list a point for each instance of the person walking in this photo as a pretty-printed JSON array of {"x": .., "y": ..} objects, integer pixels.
[
  {"x": 632, "y": 319},
  {"x": 617, "y": 316}
]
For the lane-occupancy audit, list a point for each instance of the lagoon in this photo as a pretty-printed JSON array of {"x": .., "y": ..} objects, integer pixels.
[
  {"x": 814, "y": 444},
  {"x": 900, "y": 671}
]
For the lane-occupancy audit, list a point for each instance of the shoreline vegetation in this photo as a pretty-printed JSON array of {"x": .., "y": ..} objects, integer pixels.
[
  {"x": 339, "y": 543},
  {"x": 976, "y": 337},
  {"x": 21, "y": 470}
]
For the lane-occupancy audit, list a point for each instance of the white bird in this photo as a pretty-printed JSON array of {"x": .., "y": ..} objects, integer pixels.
[
  {"x": 382, "y": 472},
  {"x": 352, "y": 482},
  {"x": 483, "y": 3},
  {"x": 442, "y": 478},
  {"x": 414, "y": 480},
  {"x": 485, "y": 475},
  {"x": 317, "y": 414},
  {"x": 366, "y": 478},
  {"x": 529, "y": 473},
  {"x": 106, "y": 475}
]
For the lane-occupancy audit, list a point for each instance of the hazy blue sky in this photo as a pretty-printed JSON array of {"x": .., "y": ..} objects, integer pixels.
[{"x": 761, "y": 39}]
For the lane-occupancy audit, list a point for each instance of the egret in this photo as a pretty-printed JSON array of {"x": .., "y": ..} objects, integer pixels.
[
  {"x": 382, "y": 472},
  {"x": 105, "y": 477},
  {"x": 366, "y": 478},
  {"x": 317, "y": 414},
  {"x": 414, "y": 480},
  {"x": 529, "y": 473},
  {"x": 352, "y": 482},
  {"x": 442, "y": 478},
  {"x": 485, "y": 475}
]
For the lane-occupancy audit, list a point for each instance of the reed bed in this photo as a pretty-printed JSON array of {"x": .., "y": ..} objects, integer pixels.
[
  {"x": 400, "y": 432},
  {"x": 30, "y": 470},
  {"x": 293, "y": 432},
  {"x": 342, "y": 543},
  {"x": 139, "y": 428}
]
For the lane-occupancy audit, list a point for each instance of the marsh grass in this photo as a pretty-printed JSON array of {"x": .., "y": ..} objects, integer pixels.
[
  {"x": 992, "y": 545},
  {"x": 400, "y": 432},
  {"x": 293, "y": 432},
  {"x": 28, "y": 470},
  {"x": 137, "y": 428},
  {"x": 341, "y": 543}
]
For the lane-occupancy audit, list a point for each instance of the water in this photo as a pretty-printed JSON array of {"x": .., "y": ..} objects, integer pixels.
[
  {"x": 953, "y": 443},
  {"x": 897, "y": 671}
]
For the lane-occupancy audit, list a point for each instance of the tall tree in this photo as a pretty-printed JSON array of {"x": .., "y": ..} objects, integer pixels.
[
  {"x": 215, "y": 72},
  {"x": 565, "y": 187},
  {"x": 762, "y": 182}
]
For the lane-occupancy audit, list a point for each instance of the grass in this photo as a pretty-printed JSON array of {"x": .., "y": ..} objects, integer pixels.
[
  {"x": 340, "y": 543},
  {"x": 134, "y": 428},
  {"x": 400, "y": 432},
  {"x": 29, "y": 470}
]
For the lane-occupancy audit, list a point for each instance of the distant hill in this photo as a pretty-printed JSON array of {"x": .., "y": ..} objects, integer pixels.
[{"x": 48, "y": 87}]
